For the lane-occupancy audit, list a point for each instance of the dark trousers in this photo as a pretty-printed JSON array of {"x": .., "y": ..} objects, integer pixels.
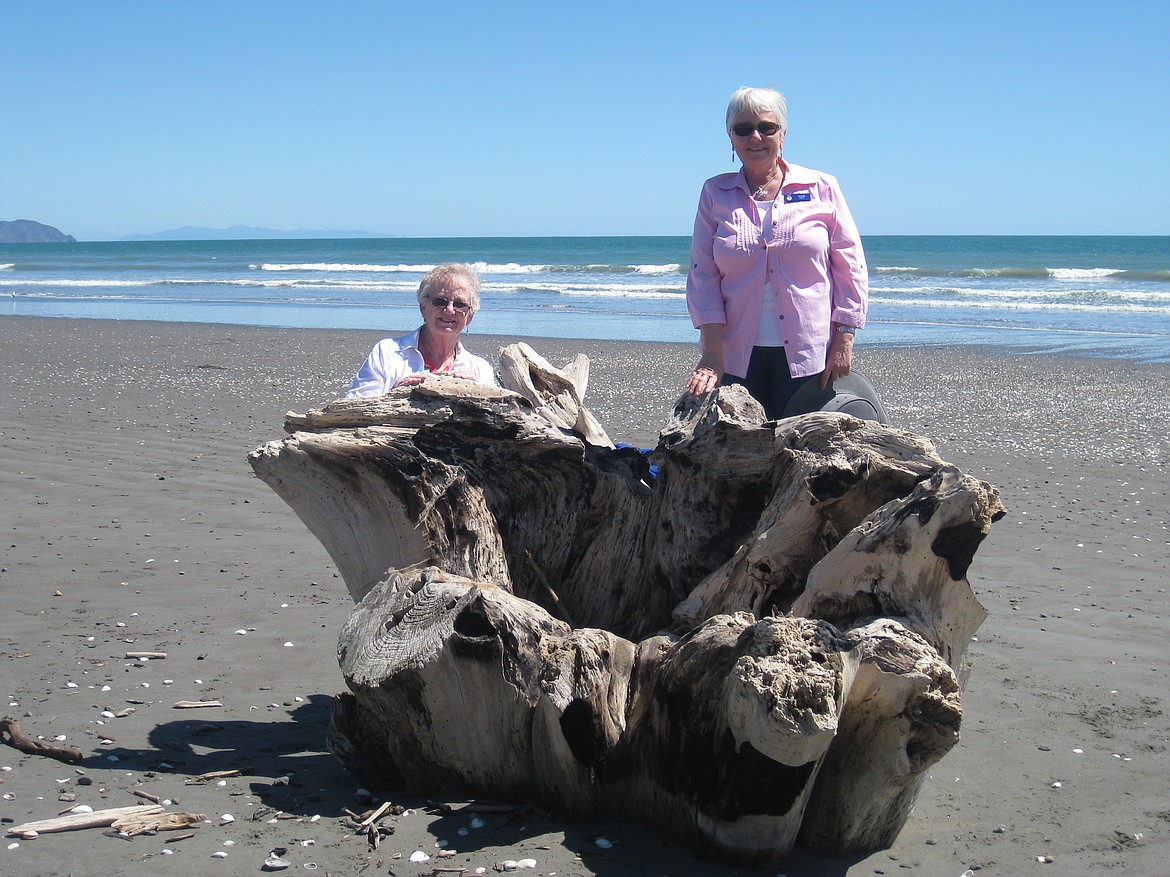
[{"x": 768, "y": 380}]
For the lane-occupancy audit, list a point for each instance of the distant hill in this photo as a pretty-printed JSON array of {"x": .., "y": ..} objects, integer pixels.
[
  {"x": 25, "y": 231},
  {"x": 246, "y": 233}
]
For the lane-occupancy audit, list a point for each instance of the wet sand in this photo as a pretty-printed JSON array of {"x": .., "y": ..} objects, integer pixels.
[{"x": 132, "y": 522}]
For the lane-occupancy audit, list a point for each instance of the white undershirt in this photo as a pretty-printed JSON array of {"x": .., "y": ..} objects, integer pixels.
[{"x": 768, "y": 332}]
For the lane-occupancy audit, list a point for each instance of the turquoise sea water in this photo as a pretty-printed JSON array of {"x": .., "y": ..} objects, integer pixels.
[{"x": 1101, "y": 296}]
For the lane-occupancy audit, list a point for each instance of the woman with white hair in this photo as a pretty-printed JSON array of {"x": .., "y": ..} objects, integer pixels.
[
  {"x": 448, "y": 298},
  {"x": 778, "y": 284}
]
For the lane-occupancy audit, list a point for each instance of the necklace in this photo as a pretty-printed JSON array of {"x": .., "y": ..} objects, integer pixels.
[{"x": 761, "y": 194}]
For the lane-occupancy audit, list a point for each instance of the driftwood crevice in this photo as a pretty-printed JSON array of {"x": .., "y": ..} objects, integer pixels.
[{"x": 768, "y": 628}]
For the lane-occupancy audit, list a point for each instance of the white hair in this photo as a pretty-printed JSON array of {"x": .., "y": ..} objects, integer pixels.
[
  {"x": 752, "y": 101},
  {"x": 438, "y": 278}
]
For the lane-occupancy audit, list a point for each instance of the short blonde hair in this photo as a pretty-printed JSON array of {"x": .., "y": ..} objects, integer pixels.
[{"x": 437, "y": 278}]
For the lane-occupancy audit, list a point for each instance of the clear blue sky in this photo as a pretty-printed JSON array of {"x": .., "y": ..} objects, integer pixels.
[{"x": 488, "y": 117}]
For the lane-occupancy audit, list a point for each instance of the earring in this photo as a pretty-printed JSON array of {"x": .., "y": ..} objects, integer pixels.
[{"x": 733, "y": 155}]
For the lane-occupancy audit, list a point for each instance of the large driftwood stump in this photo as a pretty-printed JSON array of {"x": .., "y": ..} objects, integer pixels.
[{"x": 755, "y": 646}]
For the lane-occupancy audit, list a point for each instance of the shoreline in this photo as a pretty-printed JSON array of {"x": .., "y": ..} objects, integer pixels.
[
  {"x": 1148, "y": 349},
  {"x": 123, "y": 466}
]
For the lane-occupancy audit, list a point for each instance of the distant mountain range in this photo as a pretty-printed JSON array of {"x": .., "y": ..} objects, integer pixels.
[
  {"x": 25, "y": 231},
  {"x": 246, "y": 233}
]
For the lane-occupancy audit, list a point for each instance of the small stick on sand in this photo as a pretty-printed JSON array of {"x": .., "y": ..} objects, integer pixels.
[
  {"x": 376, "y": 815},
  {"x": 212, "y": 775},
  {"x": 195, "y": 704},
  {"x": 11, "y": 734},
  {"x": 151, "y": 656}
]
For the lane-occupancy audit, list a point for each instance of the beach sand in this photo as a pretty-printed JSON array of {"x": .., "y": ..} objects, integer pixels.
[{"x": 131, "y": 521}]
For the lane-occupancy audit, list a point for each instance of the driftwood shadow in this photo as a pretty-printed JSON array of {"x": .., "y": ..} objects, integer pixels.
[{"x": 284, "y": 758}]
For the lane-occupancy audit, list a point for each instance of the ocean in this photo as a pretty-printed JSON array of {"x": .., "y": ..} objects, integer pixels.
[{"x": 1092, "y": 296}]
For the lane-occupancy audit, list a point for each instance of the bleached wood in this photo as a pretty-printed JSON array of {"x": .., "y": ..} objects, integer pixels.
[
  {"x": 78, "y": 821},
  {"x": 481, "y": 692},
  {"x": 135, "y": 823},
  {"x": 761, "y": 633},
  {"x": 901, "y": 715},
  {"x": 825, "y": 473},
  {"x": 556, "y": 394},
  {"x": 909, "y": 559}
]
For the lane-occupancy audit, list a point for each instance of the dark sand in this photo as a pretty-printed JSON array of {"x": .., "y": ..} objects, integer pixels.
[{"x": 125, "y": 488}]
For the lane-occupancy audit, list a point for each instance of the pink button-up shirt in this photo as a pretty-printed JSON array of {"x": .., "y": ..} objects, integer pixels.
[{"x": 813, "y": 257}]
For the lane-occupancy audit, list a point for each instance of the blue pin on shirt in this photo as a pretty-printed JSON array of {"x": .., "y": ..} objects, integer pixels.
[{"x": 793, "y": 197}]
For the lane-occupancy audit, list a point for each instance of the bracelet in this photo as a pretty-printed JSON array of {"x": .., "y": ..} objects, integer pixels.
[{"x": 848, "y": 330}]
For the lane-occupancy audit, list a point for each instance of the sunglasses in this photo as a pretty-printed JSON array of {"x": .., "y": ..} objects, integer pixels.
[
  {"x": 440, "y": 303},
  {"x": 745, "y": 129}
]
